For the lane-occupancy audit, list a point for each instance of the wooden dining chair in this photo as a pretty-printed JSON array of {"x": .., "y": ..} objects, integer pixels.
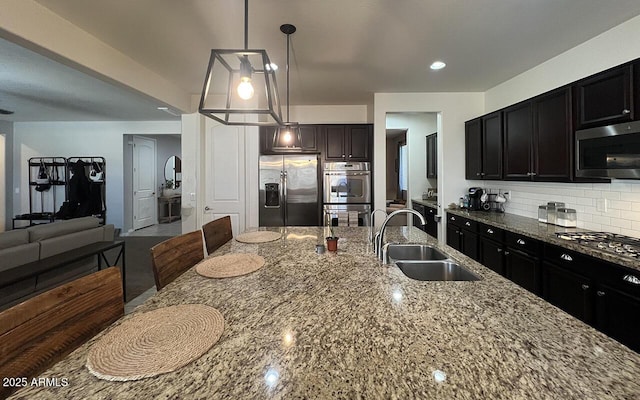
[
  {"x": 174, "y": 256},
  {"x": 42, "y": 330},
  {"x": 217, "y": 233}
]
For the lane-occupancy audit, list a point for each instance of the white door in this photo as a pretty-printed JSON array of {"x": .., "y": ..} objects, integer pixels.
[
  {"x": 145, "y": 208},
  {"x": 225, "y": 176}
]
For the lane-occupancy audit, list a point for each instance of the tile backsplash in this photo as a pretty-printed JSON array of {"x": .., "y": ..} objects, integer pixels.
[{"x": 608, "y": 207}]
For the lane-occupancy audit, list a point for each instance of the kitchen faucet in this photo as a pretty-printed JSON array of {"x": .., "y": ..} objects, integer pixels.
[
  {"x": 380, "y": 235},
  {"x": 371, "y": 225}
]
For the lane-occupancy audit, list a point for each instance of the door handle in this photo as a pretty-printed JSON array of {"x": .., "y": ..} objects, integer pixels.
[
  {"x": 520, "y": 241},
  {"x": 206, "y": 208},
  {"x": 490, "y": 231}
]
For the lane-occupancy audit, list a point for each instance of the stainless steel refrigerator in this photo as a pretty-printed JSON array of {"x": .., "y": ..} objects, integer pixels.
[{"x": 289, "y": 193}]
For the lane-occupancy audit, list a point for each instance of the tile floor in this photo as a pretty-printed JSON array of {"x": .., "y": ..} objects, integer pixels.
[
  {"x": 171, "y": 229},
  {"x": 128, "y": 307}
]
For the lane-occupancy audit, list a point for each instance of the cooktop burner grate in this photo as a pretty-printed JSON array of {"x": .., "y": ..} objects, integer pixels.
[{"x": 609, "y": 242}]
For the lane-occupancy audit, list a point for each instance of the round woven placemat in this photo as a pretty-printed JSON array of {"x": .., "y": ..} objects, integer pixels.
[
  {"x": 155, "y": 342},
  {"x": 229, "y": 265},
  {"x": 258, "y": 237}
]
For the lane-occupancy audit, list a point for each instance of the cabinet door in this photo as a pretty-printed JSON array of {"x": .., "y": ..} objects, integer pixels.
[
  {"x": 492, "y": 146},
  {"x": 432, "y": 224},
  {"x": 473, "y": 149},
  {"x": 309, "y": 138},
  {"x": 453, "y": 237},
  {"x": 492, "y": 255},
  {"x": 523, "y": 269},
  {"x": 357, "y": 143},
  {"x": 335, "y": 142},
  {"x": 571, "y": 292},
  {"x": 518, "y": 135},
  {"x": 552, "y": 136},
  {"x": 618, "y": 315},
  {"x": 605, "y": 98},
  {"x": 470, "y": 244},
  {"x": 416, "y": 221},
  {"x": 432, "y": 156}
]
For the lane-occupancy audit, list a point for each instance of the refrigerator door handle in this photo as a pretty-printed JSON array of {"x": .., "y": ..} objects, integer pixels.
[{"x": 283, "y": 178}]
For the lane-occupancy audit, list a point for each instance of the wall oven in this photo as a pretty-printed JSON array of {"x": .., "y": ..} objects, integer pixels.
[
  {"x": 609, "y": 151},
  {"x": 346, "y": 182},
  {"x": 347, "y": 214}
]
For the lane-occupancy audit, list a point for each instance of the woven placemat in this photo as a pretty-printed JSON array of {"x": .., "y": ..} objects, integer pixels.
[
  {"x": 155, "y": 342},
  {"x": 229, "y": 265},
  {"x": 258, "y": 237}
]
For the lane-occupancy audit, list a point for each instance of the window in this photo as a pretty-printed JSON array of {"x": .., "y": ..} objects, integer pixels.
[{"x": 402, "y": 168}]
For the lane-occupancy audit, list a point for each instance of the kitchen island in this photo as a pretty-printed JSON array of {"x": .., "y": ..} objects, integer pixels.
[{"x": 341, "y": 325}]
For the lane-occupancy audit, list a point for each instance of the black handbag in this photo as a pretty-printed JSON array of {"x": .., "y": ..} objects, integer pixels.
[{"x": 42, "y": 179}]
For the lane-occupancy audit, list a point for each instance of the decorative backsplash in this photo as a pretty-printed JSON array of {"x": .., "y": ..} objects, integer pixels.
[{"x": 608, "y": 207}]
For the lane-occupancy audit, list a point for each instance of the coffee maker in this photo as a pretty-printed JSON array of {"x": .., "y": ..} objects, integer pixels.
[{"x": 475, "y": 193}]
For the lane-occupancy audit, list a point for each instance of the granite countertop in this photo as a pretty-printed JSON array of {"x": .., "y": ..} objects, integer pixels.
[
  {"x": 428, "y": 203},
  {"x": 341, "y": 325},
  {"x": 544, "y": 232}
]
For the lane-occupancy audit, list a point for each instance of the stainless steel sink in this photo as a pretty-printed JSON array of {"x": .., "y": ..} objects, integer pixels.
[
  {"x": 445, "y": 270},
  {"x": 408, "y": 251}
]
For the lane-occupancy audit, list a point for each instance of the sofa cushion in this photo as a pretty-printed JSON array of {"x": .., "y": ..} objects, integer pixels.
[
  {"x": 13, "y": 238},
  {"x": 46, "y": 231},
  {"x": 60, "y": 244},
  {"x": 18, "y": 255}
]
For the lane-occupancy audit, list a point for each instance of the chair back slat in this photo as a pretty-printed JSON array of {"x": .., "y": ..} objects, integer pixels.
[
  {"x": 174, "y": 256},
  {"x": 40, "y": 331},
  {"x": 217, "y": 233}
]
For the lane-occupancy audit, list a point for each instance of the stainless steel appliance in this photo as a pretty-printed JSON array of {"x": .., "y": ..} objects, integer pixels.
[
  {"x": 347, "y": 214},
  {"x": 289, "y": 193},
  {"x": 609, "y": 242},
  {"x": 347, "y": 182},
  {"x": 609, "y": 151}
]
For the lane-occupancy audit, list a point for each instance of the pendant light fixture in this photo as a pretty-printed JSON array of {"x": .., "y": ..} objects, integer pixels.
[
  {"x": 240, "y": 86},
  {"x": 287, "y": 135}
]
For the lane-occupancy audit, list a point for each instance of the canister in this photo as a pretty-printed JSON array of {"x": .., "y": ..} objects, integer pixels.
[
  {"x": 566, "y": 217},
  {"x": 552, "y": 206},
  {"x": 542, "y": 213}
]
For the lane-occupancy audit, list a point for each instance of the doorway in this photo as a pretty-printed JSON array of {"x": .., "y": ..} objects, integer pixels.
[{"x": 144, "y": 183}]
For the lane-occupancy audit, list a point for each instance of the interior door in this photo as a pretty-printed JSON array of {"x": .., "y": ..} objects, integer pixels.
[
  {"x": 225, "y": 175},
  {"x": 145, "y": 202}
]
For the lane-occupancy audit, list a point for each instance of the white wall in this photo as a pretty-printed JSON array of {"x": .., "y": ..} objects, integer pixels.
[
  {"x": 69, "y": 139},
  {"x": 418, "y": 126},
  {"x": 611, "y": 48},
  {"x": 453, "y": 110},
  {"x": 3, "y": 182}
]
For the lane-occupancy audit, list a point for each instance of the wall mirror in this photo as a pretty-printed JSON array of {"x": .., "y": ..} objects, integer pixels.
[{"x": 173, "y": 170}]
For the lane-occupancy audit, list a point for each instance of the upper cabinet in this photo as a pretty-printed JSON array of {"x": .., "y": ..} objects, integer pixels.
[
  {"x": 538, "y": 138},
  {"x": 348, "y": 142},
  {"x": 309, "y": 136},
  {"x": 605, "y": 98},
  {"x": 432, "y": 156},
  {"x": 483, "y": 147}
]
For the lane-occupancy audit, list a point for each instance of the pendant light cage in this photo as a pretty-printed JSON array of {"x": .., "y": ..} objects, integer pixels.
[
  {"x": 288, "y": 135},
  {"x": 240, "y": 86}
]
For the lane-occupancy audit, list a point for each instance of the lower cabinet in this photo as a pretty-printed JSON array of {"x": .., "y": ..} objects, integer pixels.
[
  {"x": 618, "y": 315},
  {"x": 492, "y": 255},
  {"x": 462, "y": 235},
  {"x": 522, "y": 261},
  {"x": 569, "y": 291},
  {"x": 432, "y": 224}
]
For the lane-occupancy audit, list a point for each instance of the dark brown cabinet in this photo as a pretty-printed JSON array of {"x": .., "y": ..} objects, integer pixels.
[
  {"x": 605, "y": 98},
  {"x": 522, "y": 261},
  {"x": 347, "y": 142},
  {"x": 432, "y": 224},
  {"x": 538, "y": 138},
  {"x": 308, "y": 140},
  {"x": 492, "y": 248},
  {"x": 569, "y": 291},
  {"x": 432, "y": 156},
  {"x": 618, "y": 315},
  {"x": 462, "y": 235},
  {"x": 483, "y": 147}
]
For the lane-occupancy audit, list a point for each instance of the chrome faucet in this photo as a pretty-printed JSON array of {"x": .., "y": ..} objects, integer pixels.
[
  {"x": 372, "y": 225},
  {"x": 380, "y": 235}
]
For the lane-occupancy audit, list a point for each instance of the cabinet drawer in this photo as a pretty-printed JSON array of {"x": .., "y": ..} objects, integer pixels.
[
  {"x": 462, "y": 222},
  {"x": 569, "y": 259},
  {"x": 491, "y": 232},
  {"x": 454, "y": 220},
  {"x": 522, "y": 243}
]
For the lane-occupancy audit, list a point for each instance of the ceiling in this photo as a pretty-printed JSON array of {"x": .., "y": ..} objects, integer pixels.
[{"x": 342, "y": 53}]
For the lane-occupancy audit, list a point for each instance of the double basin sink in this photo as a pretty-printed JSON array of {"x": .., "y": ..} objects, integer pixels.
[{"x": 426, "y": 263}]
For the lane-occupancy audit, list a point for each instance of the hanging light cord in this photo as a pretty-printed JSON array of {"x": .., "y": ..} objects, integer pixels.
[
  {"x": 288, "y": 40},
  {"x": 246, "y": 24}
]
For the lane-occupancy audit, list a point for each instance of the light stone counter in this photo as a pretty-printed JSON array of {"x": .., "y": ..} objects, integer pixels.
[{"x": 343, "y": 326}]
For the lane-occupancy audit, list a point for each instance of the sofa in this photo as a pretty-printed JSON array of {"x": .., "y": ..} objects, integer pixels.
[{"x": 22, "y": 246}]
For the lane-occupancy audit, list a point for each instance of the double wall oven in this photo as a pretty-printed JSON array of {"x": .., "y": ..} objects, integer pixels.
[{"x": 347, "y": 193}]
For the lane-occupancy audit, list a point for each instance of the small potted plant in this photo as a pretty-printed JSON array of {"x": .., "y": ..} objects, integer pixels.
[
  {"x": 168, "y": 188},
  {"x": 332, "y": 241}
]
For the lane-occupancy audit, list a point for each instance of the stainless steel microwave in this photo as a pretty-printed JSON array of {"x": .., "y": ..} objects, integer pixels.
[{"x": 611, "y": 151}]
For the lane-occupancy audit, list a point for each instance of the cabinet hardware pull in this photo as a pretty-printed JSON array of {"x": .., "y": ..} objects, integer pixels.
[
  {"x": 566, "y": 257},
  {"x": 350, "y": 155},
  {"x": 452, "y": 218},
  {"x": 499, "y": 250},
  {"x": 343, "y": 155},
  {"x": 585, "y": 287},
  {"x": 489, "y": 231},
  {"x": 625, "y": 111},
  {"x": 520, "y": 241},
  {"x": 506, "y": 253},
  {"x": 600, "y": 293},
  {"x": 467, "y": 223},
  {"x": 477, "y": 173},
  {"x": 632, "y": 279},
  {"x": 481, "y": 173},
  {"x": 533, "y": 174},
  {"x": 528, "y": 173}
]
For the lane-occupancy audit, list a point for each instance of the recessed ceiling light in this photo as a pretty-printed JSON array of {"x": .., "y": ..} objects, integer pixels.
[
  {"x": 168, "y": 111},
  {"x": 438, "y": 65}
]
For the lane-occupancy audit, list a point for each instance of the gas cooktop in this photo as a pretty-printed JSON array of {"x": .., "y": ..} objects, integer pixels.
[{"x": 605, "y": 241}]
